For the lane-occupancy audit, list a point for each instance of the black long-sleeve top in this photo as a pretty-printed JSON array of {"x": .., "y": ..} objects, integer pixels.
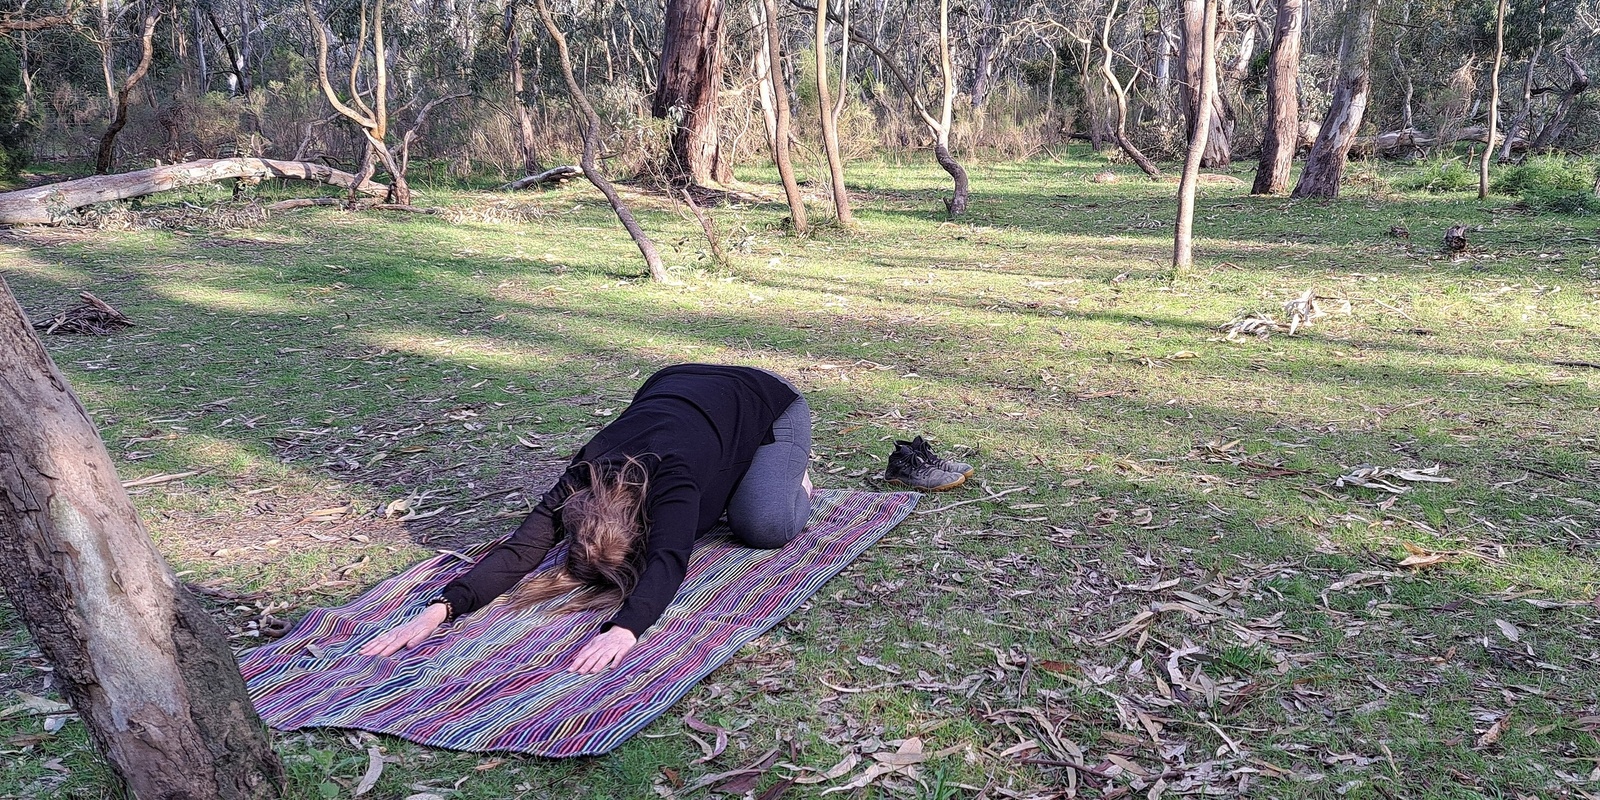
[{"x": 695, "y": 427}]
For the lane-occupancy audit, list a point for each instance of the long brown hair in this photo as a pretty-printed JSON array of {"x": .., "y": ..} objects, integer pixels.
[{"x": 605, "y": 524}]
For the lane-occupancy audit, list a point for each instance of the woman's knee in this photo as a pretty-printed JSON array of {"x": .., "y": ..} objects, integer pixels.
[{"x": 769, "y": 526}]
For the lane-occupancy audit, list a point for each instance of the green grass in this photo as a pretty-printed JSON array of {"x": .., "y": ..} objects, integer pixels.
[{"x": 321, "y": 360}]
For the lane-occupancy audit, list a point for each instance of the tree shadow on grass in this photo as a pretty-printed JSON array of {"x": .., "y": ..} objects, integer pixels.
[{"x": 283, "y": 371}]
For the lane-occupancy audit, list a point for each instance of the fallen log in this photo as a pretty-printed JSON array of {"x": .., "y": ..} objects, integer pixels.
[
  {"x": 50, "y": 202},
  {"x": 552, "y": 175},
  {"x": 1391, "y": 142}
]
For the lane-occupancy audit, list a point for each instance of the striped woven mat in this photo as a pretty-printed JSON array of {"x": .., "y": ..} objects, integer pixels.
[{"x": 495, "y": 681}]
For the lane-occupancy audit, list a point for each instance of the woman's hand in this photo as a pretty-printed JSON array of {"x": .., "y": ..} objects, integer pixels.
[
  {"x": 603, "y": 651},
  {"x": 408, "y": 635}
]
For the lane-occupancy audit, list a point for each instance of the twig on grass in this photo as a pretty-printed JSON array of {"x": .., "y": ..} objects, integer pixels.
[
  {"x": 973, "y": 500},
  {"x": 158, "y": 479},
  {"x": 1063, "y": 762}
]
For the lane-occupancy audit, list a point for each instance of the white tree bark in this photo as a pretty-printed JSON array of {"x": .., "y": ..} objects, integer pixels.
[{"x": 50, "y": 202}]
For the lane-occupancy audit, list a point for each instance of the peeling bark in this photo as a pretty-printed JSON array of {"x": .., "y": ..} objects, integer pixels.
[{"x": 686, "y": 93}]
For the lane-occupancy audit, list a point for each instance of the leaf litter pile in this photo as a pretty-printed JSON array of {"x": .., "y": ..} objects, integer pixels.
[{"x": 93, "y": 316}]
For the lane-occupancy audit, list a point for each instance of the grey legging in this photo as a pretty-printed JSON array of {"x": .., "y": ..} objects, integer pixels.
[{"x": 770, "y": 505}]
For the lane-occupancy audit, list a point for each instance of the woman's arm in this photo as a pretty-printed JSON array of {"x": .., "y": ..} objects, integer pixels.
[
  {"x": 498, "y": 570},
  {"x": 674, "y": 516}
]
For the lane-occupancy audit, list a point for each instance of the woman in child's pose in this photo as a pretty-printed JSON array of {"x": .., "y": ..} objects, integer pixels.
[{"x": 699, "y": 440}]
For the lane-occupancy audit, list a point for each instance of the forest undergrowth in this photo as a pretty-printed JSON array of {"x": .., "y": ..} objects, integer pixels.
[{"x": 1359, "y": 560}]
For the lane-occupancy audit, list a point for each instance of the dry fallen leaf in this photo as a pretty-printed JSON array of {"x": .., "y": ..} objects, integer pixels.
[
  {"x": 1493, "y": 734},
  {"x": 834, "y": 772},
  {"x": 34, "y": 704},
  {"x": 711, "y": 751},
  {"x": 777, "y": 790},
  {"x": 329, "y": 514},
  {"x": 374, "y": 771},
  {"x": 1420, "y": 557},
  {"x": 1510, "y": 631}
]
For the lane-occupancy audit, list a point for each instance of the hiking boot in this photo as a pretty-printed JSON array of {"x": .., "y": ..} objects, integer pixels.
[
  {"x": 908, "y": 468},
  {"x": 925, "y": 452}
]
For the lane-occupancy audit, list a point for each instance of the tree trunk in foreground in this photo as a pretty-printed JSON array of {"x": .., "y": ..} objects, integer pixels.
[
  {"x": 1219, "y": 134},
  {"x": 108, "y": 141},
  {"x": 1325, "y": 165},
  {"x": 830, "y": 132},
  {"x": 1183, "y": 230},
  {"x": 48, "y": 203},
  {"x": 691, "y": 76},
  {"x": 1280, "y": 138},
  {"x": 1494, "y": 96},
  {"x": 780, "y": 122},
  {"x": 147, "y": 670},
  {"x": 591, "y": 151}
]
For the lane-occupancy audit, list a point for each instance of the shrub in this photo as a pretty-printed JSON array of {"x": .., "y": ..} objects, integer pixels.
[
  {"x": 1544, "y": 175},
  {"x": 1563, "y": 201},
  {"x": 1441, "y": 175},
  {"x": 17, "y": 121}
]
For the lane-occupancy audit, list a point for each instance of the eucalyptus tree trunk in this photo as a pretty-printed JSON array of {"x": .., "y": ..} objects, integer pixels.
[
  {"x": 591, "y": 150},
  {"x": 1494, "y": 97},
  {"x": 1166, "y": 111},
  {"x": 524, "y": 117},
  {"x": 1556, "y": 125},
  {"x": 1325, "y": 165},
  {"x": 1183, "y": 229},
  {"x": 148, "y": 672},
  {"x": 825, "y": 113},
  {"x": 941, "y": 148},
  {"x": 940, "y": 126},
  {"x": 1524, "y": 115},
  {"x": 238, "y": 66},
  {"x": 763, "y": 63},
  {"x": 1219, "y": 136},
  {"x": 108, "y": 141},
  {"x": 686, "y": 92},
  {"x": 374, "y": 119},
  {"x": 1120, "y": 130},
  {"x": 1281, "y": 136},
  {"x": 780, "y": 124},
  {"x": 985, "y": 43}
]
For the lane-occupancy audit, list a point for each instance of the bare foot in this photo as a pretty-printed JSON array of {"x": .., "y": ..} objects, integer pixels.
[{"x": 805, "y": 481}]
